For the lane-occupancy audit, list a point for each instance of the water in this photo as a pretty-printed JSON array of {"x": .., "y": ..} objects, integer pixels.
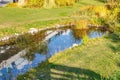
[{"x": 13, "y": 64}]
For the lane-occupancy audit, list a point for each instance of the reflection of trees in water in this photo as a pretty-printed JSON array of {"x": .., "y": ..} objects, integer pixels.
[
  {"x": 8, "y": 52},
  {"x": 84, "y": 34},
  {"x": 33, "y": 42},
  {"x": 78, "y": 33},
  {"x": 36, "y": 46},
  {"x": 29, "y": 39},
  {"x": 41, "y": 48},
  {"x": 23, "y": 39}
]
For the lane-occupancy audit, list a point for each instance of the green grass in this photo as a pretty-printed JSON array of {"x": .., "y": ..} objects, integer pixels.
[
  {"x": 99, "y": 59},
  {"x": 17, "y": 18}
]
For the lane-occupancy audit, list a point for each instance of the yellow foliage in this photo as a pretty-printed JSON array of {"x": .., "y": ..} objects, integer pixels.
[
  {"x": 81, "y": 24},
  {"x": 86, "y": 8},
  {"x": 64, "y": 2},
  {"x": 12, "y": 5},
  {"x": 101, "y": 11}
]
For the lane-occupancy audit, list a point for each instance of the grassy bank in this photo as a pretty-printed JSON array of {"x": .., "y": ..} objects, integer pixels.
[
  {"x": 99, "y": 59},
  {"x": 17, "y": 20}
]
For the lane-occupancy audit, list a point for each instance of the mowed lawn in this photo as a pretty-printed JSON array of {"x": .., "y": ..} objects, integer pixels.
[
  {"x": 99, "y": 59},
  {"x": 18, "y": 20}
]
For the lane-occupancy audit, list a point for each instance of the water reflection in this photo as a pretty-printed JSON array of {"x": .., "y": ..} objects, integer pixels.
[
  {"x": 40, "y": 47},
  {"x": 35, "y": 52}
]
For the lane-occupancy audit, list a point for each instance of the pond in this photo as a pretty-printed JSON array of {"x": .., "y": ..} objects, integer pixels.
[{"x": 16, "y": 60}]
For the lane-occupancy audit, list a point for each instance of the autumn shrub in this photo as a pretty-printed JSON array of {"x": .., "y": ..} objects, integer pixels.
[
  {"x": 50, "y": 3},
  {"x": 64, "y": 2},
  {"x": 12, "y": 5},
  {"x": 81, "y": 24},
  {"x": 35, "y": 3}
]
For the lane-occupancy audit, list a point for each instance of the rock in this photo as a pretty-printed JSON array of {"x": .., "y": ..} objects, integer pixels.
[
  {"x": 5, "y": 38},
  {"x": 16, "y": 34},
  {"x": 32, "y": 31},
  {"x": 58, "y": 26},
  {"x": 2, "y": 51},
  {"x": 74, "y": 45},
  {"x": 48, "y": 32}
]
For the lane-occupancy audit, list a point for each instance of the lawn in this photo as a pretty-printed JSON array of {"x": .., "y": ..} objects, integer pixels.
[
  {"x": 99, "y": 59},
  {"x": 18, "y": 20}
]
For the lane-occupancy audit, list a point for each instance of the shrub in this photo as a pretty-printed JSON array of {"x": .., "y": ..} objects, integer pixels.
[
  {"x": 12, "y": 5},
  {"x": 64, "y": 2},
  {"x": 50, "y": 3},
  {"x": 81, "y": 24},
  {"x": 35, "y": 3}
]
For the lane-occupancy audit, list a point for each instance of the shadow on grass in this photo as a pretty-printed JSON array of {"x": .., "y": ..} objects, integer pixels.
[
  {"x": 50, "y": 71},
  {"x": 103, "y": 1},
  {"x": 115, "y": 45},
  {"x": 115, "y": 38},
  {"x": 83, "y": 3}
]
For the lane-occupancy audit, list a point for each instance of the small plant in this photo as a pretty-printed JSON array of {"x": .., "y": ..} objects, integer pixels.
[{"x": 85, "y": 39}]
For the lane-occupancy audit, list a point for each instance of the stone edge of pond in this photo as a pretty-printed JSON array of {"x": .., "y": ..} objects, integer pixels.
[{"x": 32, "y": 31}]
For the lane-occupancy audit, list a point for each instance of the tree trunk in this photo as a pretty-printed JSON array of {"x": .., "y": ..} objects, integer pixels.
[
  {"x": 49, "y": 3},
  {"x": 22, "y": 3}
]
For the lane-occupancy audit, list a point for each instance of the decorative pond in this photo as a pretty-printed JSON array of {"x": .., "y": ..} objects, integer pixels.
[{"x": 28, "y": 52}]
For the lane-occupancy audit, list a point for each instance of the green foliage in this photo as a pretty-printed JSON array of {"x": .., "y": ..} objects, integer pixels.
[
  {"x": 85, "y": 39},
  {"x": 115, "y": 76},
  {"x": 98, "y": 21},
  {"x": 33, "y": 48}
]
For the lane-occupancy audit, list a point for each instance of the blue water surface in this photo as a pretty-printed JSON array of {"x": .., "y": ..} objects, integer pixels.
[{"x": 61, "y": 41}]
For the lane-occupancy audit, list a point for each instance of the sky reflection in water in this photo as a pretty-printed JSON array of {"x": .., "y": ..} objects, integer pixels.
[{"x": 61, "y": 41}]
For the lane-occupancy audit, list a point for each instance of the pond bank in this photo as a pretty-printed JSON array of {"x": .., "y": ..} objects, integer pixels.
[
  {"x": 95, "y": 60},
  {"x": 65, "y": 38},
  {"x": 10, "y": 39}
]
